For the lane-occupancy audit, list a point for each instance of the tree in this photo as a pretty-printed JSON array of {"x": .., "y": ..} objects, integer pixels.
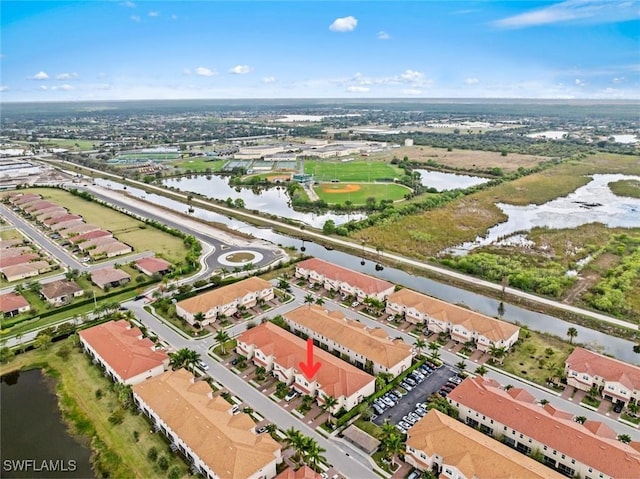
[
  {"x": 580, "y": 419},
  {"x": 43, "y": 341},
  {"x": 481, "y": 370},
  {"x": 572, "y": 333},
  {"x": 6, "y": 354},
  {"x": 184, "y": 357},
  {"x": 309, "y": 300},
  {"x": 312, "y": 452},
  {"x": 222, "y": 337},
  {"x": 633, "y": 408},
  {"x": 329, "y": 404},
  {"x": 625, "y": 438},
  {"x": 461, "y": 365},
  {"x": 319, "y": 301},
  {"x": 392, "y": 445},
  {"x": 294, "y": 439},
  {"x": 636, "y": 348},
  {"x": 199, "y": 317},
  {"x": 434, "y": 347},
  {"x": 284, "y": 284},
  {"x": 420, "y": 344},
  {"x": 388, "y": 429},
  {"x": 497, "y": 353},
  {"x": 261, "y": 373},
  {"x": 329, "y": 227}
]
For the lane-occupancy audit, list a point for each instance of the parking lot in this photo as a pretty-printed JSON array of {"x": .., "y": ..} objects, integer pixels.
[{"x": 431, "y": 384}]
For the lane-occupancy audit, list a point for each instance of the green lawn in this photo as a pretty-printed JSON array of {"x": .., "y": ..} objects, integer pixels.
[
  {"x": 71, "y": 144},
  {"x": 379, "y": 191},
  {"x": 328, "y": 170},
  {"x": 128, "y": 230},
  {"x": 630, "y": 188},
  {"x": 198, "y": 164},
  {"x": 10, "y": 234}
]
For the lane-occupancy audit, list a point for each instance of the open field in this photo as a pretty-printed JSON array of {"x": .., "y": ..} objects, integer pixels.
[
  {"x": 327, "y": 170},
  {"x": 463, "y": 159},
  {"x": 630, "y": 188},
  {"x": 10, "y": 233},
  {"x": 358, "y": 193},
  {"x": 70, "y": 144},
  {"x": 198, "y": 164},
  {"x": 128, "y": 230},
  {"x": 116, "y": 450}
]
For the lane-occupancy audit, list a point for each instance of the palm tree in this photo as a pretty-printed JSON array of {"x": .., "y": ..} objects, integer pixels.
[
  {"x": 392, "y": 446},
  {"x": 497, "y": 353},
  {"x": 184, "y": 357},
  {"x": 580, "y": 419},
  {"x": 319, "y": 301},
  {"x": 329, "y": 404},
  {"x": 420, "y": 344},
  {"x": 388, "y": 429},
  {"x": 295, "y": 440},
  {"x": 625, "y": 438},
  {"x": 572, "y": 333},
  {"x": 461, "y": 365},
  {"x": 633, "y": 408},
  {"x": 198, "y": 317},
  {"x": 434, "y": 347},
  {"x": 309, "y": 300},
  {"x": 222, "y": 337},
  {"x": 312, "y": 452},
  {"x": 636, "y": 348},
  {"x": 481, "y": 370},
  {"x": 283, "y": 284}
]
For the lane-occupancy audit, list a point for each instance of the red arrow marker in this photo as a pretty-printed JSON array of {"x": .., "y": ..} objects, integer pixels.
[{"x": 309, "y": 369}]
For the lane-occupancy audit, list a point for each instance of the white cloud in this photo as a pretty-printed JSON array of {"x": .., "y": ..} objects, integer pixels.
[
  {"x": 584, "y": 11},
  {"x": 4, "y": 87},
  {"x": 39, "y": 76},
  {"x": 269, "y": 80},
  {"x": 205, "y": 72},
  {"x": 382, "y": 35},
  {"x": 63, "y": 87},
  {"x": 241, "y": 69},
  {"x": 135, "y": 18},
  {"x": 411, "y": 91},
  {"x": 344, "y": 24},
  {"x": 471, "y": 81},
  {"x": 358, "y": 89},
  {"x": 128, "y": 4},
  {"x": 412, "y": 76},
  {"x": 580, "y": 83},
  {"x": 154, "y": 14},
  {"x": 618, "y": 80},
  {"x": 67, "y": 76}
]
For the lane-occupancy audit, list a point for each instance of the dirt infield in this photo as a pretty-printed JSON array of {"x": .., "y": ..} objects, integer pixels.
[{"x": 340, "y": 188}]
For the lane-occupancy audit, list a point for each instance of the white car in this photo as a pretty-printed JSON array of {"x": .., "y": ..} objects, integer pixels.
[
  {"x": 202, "y": 365},
  {"x": 291, "y": 395}
]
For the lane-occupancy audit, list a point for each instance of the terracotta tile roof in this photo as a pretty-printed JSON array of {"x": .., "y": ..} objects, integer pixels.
[
  {"x": 364, "y": 282},
  {"x": 52, "y": 212},
  {"x": 98, "y": 241},
  {"x": 221, "y": 296},
  {"x": 371, "y": 343},
  {"x": 78, "y": 229},
  {"x": 335, "y": 377},
  {"x": 89, "y": 235},
  {"x": 226, "y": 443},
  {"x": 66, "y": 224},
  {"x": 153, "y": 265},
  {"x": 108, "y": 275},
  {"x": 594, "y": 364},
  {"x": 24, "y": 198},
  {"x": 12, "y": 301},
  {"x": 23, "y": 258},
  {"x": 474, "y": 454},
  {"x": 562, "y": 434},
  {"x": 115, "y": 247},
  {"x": 15, "y": 251},
  {"x": 20, "y": 269},
  {"x": 304, "y": 472},
  {"x": 491, "y": 328},
  {"x": 62, "y": 287},
  {"x": 59, "y": 219},
  {"x": 123, "y": 348},
  {"x": 39, "y": 205}
]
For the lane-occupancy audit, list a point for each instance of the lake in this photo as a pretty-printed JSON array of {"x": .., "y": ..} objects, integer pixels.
[
  {"x": 448, "y": 181},
  {"x": 35, "y": 440}
]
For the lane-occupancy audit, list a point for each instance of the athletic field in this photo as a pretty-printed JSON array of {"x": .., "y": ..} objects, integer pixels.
[
  {"x": 366, "y": 171},
  {"x": 357, "y": 193}
]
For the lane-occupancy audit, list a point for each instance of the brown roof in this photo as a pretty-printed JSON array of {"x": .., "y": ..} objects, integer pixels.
[
  {"x": 66, "y": 224},
  {"x": 304, "y": 472},
  {"x": 599, "y": 451},
  {"x": 52, "y": 212},
  {"x": 108, "y": 275},
  {"x": 39, "y": 205},
  {"x": 23, "y": 258},
  {"x": 352, "y": 334},
  {"x": 491, "y": 328},
  {"x": 89, "y": 235},
  {"x": 12, "y": 301},
  {"x": 123, "y": 348},
  {"x": 100, "y": 240},
  {"x": 78, "y": 229},
  {"x": 221, "y": 296},
  {"x": 115, "y": 247},
  {"x": 335, "y": 377},
  {"x": 59, "y": 219},
  {"x": 153, "y": 265},
  {"x": 24, "y": 198},
  {"x": 8, "y": 243},
  {"x": 594, "y": 364},
  {"x": 364, "y": 282},
  {"x": 15, "y": 251},
  {"x": 62, "y": 287},
  {"x": 20, "y": 269},
  {"x": 474, "y": 454},
  {"x": 227, "y": 443}
]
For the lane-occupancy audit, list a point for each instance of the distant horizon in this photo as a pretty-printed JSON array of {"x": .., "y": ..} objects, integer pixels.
[{"x": 106, "y": 50}]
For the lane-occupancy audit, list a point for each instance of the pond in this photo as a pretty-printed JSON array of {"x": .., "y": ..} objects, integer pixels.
[
  {"x": 35, "y": 440},
  {"x": 591, "y": 203},
  {"x": 448, "y": 181}
]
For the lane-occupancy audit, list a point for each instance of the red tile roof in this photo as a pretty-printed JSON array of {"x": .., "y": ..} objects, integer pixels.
[
  {"x": 600, "y": 451},
  {"x": 122, "y": 348},
  {"x": 59, "y": 219},
  {"x": 153, "y": 265},
  {"x": 23, "y": 258},
  {"x": 364, "y": 282},
  {"x": 304, "y": 472},
  {"x": 11, "y": 302},
  {"x": 335, "y": 377},
  {"x": 89, "y": 235},
  {"x": 594, "y": 364},
  {"x": 220, "y": 296}
]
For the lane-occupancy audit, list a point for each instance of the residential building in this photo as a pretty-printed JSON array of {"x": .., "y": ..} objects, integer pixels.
[
  {"x": 109, "y": 277},
  {"x": 36, "y": 206},
  {"x": 95, "y": 242},
  {"x": 370, "y": 349},
  {"x": 12, "y": 304},
  {"x": 23, "y": 198},
  {"x": 453, "y": 450},
  {"x": 55, "y": 219},
  {"x": 66, "y": 224},
  {"x": 151, "y": 266},
  {"x": 281, "y": 352},
  {"x": 15, "y": 251},
  {"x": 462, "y": 324},
  {"x": 217, "y": 443},
  {"x": 123, "y": 352},
  {"x": 19, "y": 259},
  {"x": 45, "y": 216},
  {"x": 225, "y": 300},
  {"x": 346, "y": 281},
  {"x": 90, "y": 235},
  {"x": 61, "y": 291},
  {"x": 617, "y": 381},
  {"x": 78, "y": 229},
  {"x": 8, "y": 243},
  {"x": 589, "y": 451},
  {"x": 24, "y": 270},
  {"x": 110, "y": 250},
  {"x": 304, "y": 472}
]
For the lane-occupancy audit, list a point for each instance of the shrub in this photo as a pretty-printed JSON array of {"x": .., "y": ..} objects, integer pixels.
[
  {"x": 152, "y": 453},
  {"x": 163, "y": 463}
]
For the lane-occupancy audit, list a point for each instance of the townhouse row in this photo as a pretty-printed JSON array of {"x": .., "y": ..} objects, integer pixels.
[
  {"x": 218, "y": 441},
  {"x": 19, "y": 260}
]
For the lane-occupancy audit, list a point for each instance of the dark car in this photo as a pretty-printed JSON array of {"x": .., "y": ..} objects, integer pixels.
[{"x": 618, "y": 407}]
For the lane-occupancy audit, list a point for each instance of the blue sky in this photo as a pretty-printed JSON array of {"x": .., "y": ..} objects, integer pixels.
[{"x": 117, "y": 50}]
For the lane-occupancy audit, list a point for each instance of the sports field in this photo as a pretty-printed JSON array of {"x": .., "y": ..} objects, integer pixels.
[
  {"x": 327, "y": 170},
  {"x": 199, "y": 164},
  {"x": 128, "y": 230},
  {"x": 149, "y": 156},
  {"x": 358, "y": 193}
]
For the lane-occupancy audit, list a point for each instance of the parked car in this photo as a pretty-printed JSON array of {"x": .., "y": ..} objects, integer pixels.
[
  {"x": 355, "y": 304},
  {"x": 202, "y": 365},
  {"x": 388, "y": 401},
  {"x": 406, "y": 385},
  {"x": 443, "y": 393},
  {"x": 261, "y": 429},
  {"x": 411, "y": 381},
  {"x": 235, "y": 410},
  {"x": 401, "y": 429},
  {"x": 405, "y": 425},
  {"x": 291, "y": 395},
  {"x": 399, "y": 393},
  {"x": 618, "y": 407}
]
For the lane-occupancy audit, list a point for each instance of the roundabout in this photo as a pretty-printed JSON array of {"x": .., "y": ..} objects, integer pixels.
[{"x": 240, "y": 258}]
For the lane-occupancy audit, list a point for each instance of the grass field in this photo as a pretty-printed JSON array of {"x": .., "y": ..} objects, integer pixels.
[
  {"x": 630, "y": 188},
  {"x": 198, "y": 164},
  {"x": 10, "y": 234},
  {"x": 118, "y": 452},
  {"x": 70, "y": 144},
  {"x": 357, "y": 194},
  {"x": 128, "y": 230},
  {"x": 368, "y": 171}
]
